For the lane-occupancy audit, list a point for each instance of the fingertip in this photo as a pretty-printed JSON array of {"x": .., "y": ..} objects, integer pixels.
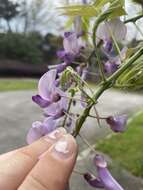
[{"x": 56, "y": 164}]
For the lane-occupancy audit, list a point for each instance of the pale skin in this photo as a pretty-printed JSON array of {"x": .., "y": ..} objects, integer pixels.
[{"x": 44, "y": 165}]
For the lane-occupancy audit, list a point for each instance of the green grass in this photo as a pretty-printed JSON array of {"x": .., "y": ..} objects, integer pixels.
[
  {"x": 17, "y": 84},
  {"x": 127, "y": 149}
]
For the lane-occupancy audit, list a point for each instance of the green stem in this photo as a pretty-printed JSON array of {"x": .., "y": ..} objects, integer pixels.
[
  {"x": 139, "y": 29},
  {"x": 92, "y": 116},
  {"x": 128, "y": 63},
  {"x": 87, "y": 143},
  {"x": 104, "y": 86},
  {"x": 69, "y": 106},
  {"x": 134, "y": 19},
  {"x": 100, "y": 65}
]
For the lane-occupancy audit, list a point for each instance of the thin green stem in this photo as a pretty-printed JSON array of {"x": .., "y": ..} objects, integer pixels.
[
  {"x": 115, "y": 42},
  {"x": 87, "y": 143},
  {"x": 100, "y": 65},
  {"x": 139, "y": 29},
  {"x": 134, "y": 19},
  {"x": 69, "y": 106},
  {"x": 127, "y": 64},
  {"x": 92, "y": 116}
]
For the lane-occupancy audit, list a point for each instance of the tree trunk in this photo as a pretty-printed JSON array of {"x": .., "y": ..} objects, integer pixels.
[{"x": 9, "y": 27}]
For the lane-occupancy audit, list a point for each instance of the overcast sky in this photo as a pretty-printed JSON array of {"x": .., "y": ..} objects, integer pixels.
[{"x": 131, "y": 10}]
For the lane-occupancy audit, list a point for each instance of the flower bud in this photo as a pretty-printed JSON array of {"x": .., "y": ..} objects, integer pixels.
[{"x": 117, "y": 123}]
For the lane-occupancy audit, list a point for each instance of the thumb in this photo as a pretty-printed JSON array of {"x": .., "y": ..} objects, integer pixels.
[{"x": 54, "y": 168}]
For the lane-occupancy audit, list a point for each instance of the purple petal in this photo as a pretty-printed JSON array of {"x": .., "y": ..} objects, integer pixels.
[
  {"x": 83, "y": 100},
  {"x": 110, "y": 67},
  {"x": 35, "y": 132},
  {"x": 117, "y": 27},
  {"x": 93, "y": 181},
  {"x": 79, "y": 70},
  {"x": 61, "y": 54},
  {"x": 84, "y": 74},
  {"x": 104, "y": 175},
  {"x": 66, "y": 56},
  {"x": 71, "y": 122},
  {"x": 108, "y": 45},
  {"x": 40, "y": 101},
  {"x": 56, "y": 110},
  {"x": 61, "y": 67},
  {"x": 71, "y": 45},
  {"x": 46, "y": 84},
  {"x": 49, "y": 125},
  {"x": 117, "y": 123},
  {"x": 57, "y": 82},
  {"x": 67, "y": 34},
  {"x": 69, "y": 58}
]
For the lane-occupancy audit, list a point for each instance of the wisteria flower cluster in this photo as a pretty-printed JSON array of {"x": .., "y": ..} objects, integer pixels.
[{"x": 65, "y": 86}]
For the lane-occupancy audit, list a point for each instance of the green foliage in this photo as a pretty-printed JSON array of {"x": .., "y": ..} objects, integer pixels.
[
  {"x": 65, "y": 77},
  {"x": 8, "y": 9},
  {"x": 91, "y": 10},
  {"x": 126, "y": 148},
  {"x": 132, "y": 78},
  {"x": 14, "y": 85},
  {"x": 21, "y": 47}
]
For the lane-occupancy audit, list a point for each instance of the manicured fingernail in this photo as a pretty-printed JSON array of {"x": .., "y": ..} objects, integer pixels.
[
  {"x": 64, "y": 148},
  {"x": 55, "y": 135}
]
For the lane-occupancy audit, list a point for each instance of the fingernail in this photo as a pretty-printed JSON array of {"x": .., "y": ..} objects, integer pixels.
[
  {"x": 55, "y": 135},
  {"x": 64, "y": 148}
]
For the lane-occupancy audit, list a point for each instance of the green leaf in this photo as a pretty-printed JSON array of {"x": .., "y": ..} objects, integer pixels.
[
  {"x": 84, "y": 10},
  {"x": 69, "y": 23},
  {"x": 95, "y": 9},
  {"x": 66, "y": 75},
  {"x": 117, "y": 11},
  {"x": 133, "y": 77}
]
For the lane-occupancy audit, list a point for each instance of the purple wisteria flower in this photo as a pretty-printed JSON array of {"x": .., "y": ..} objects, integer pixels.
[
  {"x": 40, "y": 129},
  {"x": 110, "y": 67},
  {"x": 47, "y": 90},
  {"x": 108, "y": 45},
  {"x": 72, "y": 45},
  {"x": 113, "y": 27},
  {"x": 57, "y": 109},
  {"x": 93, "y": 181},
  {"x": 104, "y": 179},
  {"x": 104, "y": 175},
  {"x": 114, "y": 63},
  {"x": 117, "y": 123},
  {"x": 61, "y": 67}
]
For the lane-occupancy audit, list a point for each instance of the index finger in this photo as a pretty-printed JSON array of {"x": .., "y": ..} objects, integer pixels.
[{"x": 15, "y": 167}]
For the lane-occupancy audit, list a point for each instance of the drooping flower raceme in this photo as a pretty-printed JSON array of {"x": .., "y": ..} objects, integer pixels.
[{"x": 52, "y": 99}]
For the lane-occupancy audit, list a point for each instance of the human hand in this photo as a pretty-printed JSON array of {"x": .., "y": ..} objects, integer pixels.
[{"x": 44, "y": 165}]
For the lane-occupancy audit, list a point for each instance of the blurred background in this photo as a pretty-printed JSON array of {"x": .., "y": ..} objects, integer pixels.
[{"x": 30, "y": 34}]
